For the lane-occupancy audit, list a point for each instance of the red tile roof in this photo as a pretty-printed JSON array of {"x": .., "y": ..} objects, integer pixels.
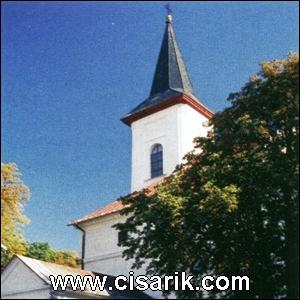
[{"x": 112, "y": 207}]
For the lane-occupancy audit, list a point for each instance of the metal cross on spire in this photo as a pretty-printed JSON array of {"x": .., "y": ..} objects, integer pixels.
[
  {"x": 168, "y": 8},
  {"x": 169, "y": 11}
]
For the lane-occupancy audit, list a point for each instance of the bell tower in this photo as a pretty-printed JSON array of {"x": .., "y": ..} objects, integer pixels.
[{"x": 164, "y": 125}]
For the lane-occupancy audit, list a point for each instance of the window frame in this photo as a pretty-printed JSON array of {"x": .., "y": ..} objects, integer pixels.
[{"x": 156, "y": 161}]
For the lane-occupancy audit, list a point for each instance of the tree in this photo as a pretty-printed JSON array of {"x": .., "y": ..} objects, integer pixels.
[
  {"x": 67, "y": 258},
  {"x": 43, "y": 251},
  {"x": 14, "y": 193},
  {"x": 233, "y": 206}
]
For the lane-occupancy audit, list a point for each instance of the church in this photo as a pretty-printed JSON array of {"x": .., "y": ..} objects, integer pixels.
[{"x": 163, "y": 128}]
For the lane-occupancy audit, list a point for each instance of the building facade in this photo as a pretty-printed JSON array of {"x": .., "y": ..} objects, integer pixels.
[
  {"x": 163, "y": 128},
  {"x": 28, "y": 278}
]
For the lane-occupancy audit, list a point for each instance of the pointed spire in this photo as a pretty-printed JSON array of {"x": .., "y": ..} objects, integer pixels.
[
  {"x": 171, "y": 84},
  {"x": 170, "y": 70}
]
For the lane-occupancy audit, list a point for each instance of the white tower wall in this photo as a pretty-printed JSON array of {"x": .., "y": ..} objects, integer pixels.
[{"x": 174, "y": 128}]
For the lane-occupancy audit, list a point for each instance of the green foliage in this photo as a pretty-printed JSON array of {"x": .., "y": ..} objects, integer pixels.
[
  {"x": 68, "y": 258},
  {"x": 40, "y": 250},
  {"x": 234, "y": 205},
  {"x": 43, "y": 251}
]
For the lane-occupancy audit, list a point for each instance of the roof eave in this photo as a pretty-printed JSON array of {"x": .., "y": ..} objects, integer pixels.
[
  {"x": 182, "y": 98},
  {"x": 80, "y": 221}
]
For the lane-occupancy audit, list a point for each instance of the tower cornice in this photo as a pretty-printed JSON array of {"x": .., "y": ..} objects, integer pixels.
[{"x": 180, "y": 98}]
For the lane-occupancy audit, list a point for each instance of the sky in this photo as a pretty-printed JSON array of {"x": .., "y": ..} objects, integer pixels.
[{"x": 71, "y": 70}]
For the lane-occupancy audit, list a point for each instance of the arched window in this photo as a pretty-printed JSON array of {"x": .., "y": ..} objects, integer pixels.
[{"x": 156, "y": 160}]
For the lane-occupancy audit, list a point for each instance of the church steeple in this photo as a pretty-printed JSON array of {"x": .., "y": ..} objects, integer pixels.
[
  {"x": 171, "y": 84},
  {"x": 170, "y": 72},
  {"x": 164, "y": 125}
]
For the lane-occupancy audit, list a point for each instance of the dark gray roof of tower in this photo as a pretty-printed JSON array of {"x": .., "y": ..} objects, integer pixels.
[
  {"x": 170, "y": 70},
  {"x": 170, "y": 77}
]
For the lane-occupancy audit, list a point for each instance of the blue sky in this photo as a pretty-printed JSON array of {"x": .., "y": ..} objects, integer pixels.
[{"x": 71, "y": 70}]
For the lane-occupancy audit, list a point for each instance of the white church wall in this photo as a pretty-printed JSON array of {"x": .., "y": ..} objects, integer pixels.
[
  {"x": 102, "y": 253},
  {"x": 100, "y": 239}
]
